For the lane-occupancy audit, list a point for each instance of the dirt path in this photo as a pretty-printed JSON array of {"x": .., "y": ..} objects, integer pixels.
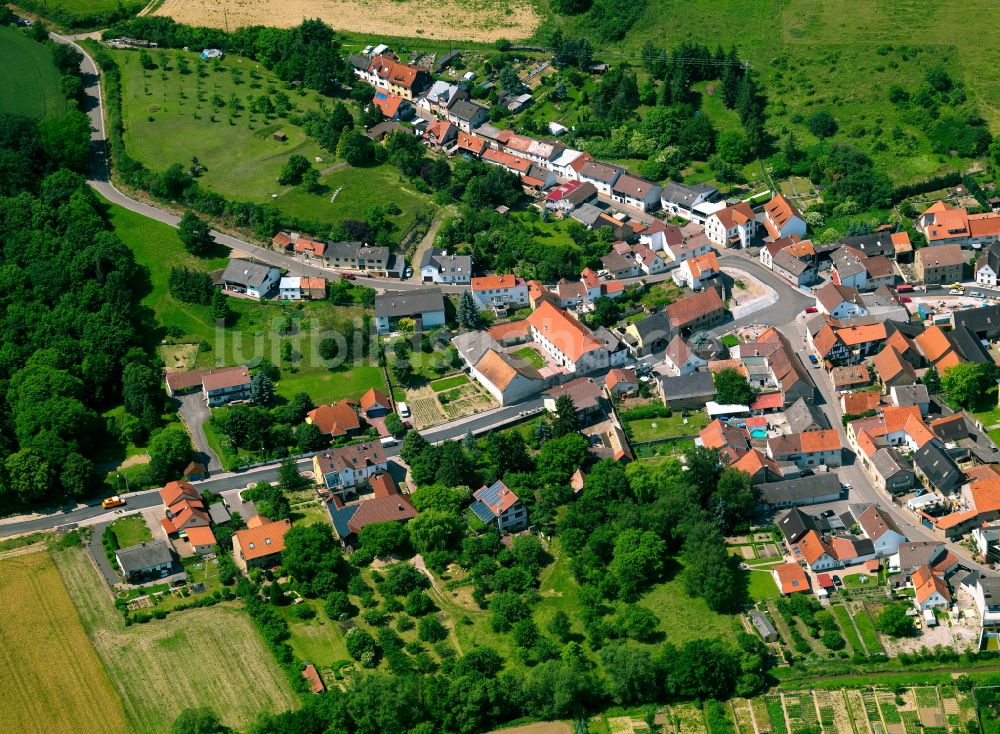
[
  {"x": 22, "y": 551},
  {"x": 418, "y": 562},
  {"x": 428, "y": 239}
]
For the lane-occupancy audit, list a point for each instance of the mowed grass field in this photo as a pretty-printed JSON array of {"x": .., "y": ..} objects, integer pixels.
[
  {"x": 28, "y": 79},
  {"x": 841, "y": 55},
  {"x": 52, "y": 678},
  {"x": 170, "y": 118},
  {"x": 200, "y": 657}
]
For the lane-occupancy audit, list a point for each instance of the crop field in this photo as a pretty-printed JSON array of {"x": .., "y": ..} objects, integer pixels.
[
  {"x": 53, "y": 681},
  {"x": 29, "y": 79},
  {"x": 201, "y": 657},
  {"x": 468, "y": 20}
]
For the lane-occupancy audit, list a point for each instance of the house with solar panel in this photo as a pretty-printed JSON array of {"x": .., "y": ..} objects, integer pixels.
[{"x": 498, "y": 505}]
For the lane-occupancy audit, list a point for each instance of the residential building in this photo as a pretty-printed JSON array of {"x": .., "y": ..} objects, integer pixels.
[
  {"x": 337, "y": 420},
  {"x": 260, "y": 544},
  {"x": 467, "y": 115},
  {"x": 183, "y": 509},
  {"x": 680, "y": 359},
  {"x": 620, "y": 382},
  {"x": 500, "y": 291},
  {"x": 355, "y": 256},
  {"x": 441, "y": 134},
  {"x": 295, "y": 288},
  {"x": 935, "y": 466},
  {"x": 146, "y": 561},
  {"x": 691, "y": 202},
  {"x": 696, "y": 312},
  {"x": 566, "y": 197},
  {"x": 769, "y": 249},
  {"x": 988, "y": 266},
  {"x": 734, "y": 226},
  {"x": 649, "y": 334},
  {"x": 801, "y": 491},
  {"x": 392, "y": 106},
  {"x": 471, "y": 145},
  {"x": 694, "y": 270},
  {"x": 346, "y": 469},
  {"x": 799, "y": 272},
  {"x": 498, "y": 505},
  {"x": 374, "y": 403},
  {"x": 903, "y": 396},
  {"x": 385, "y": 72},
  {"x": 731, "y": 442},
  {"x": 879, "y": 528},
  {"x": 807, "y": 450},
  {"x": 586, "y": 393},
  {"x": 250, "y": 279},
  {"x": 939, "y": 265},
  {"x": 620, "y": 267},
  {"x": 387, "y": 505},
  {"x": 854, "y": 269},
  {"x": 602, "y": 175},
  {"x": 225, "y": 385},
  {"x": 803, "y": 416},
  {"x": 437, "y": 266},
  {"x": 759, "y": 466},
  {"x": 891, "y": 370},
  {"x": 930, "y": 590},
  {"x": 437, "y": 99},
  {"x": 568, "y": 342},
  {"x": 636, "y": 192},
  {"x": 423, "y": 305},
  {"x": 840, "y": 302},
  {"x": 686, "y": 392},
  {"x": 201, "y": 539},
  {"x": 790, "y": 578},
  {"x": 507, "y": 377},
  {"x": 783, "y": 219}
]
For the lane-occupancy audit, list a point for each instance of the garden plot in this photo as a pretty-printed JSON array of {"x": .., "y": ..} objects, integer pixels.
[
  {"x": 758, "y": 707},
  {"x": 742, "y": 715},
  {"x": 688, "y": 719},
  {"x": 432, "y": 407}
]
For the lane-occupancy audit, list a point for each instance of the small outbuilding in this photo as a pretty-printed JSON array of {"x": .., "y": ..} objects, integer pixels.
[{"x": 280, "y": 136}]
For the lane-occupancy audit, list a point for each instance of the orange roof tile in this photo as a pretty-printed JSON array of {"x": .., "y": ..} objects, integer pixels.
[
  {"x": 567, "y": 334},
  {"x": 200, "y": 536},
  {"x": 856, "y": 403},
  {"x": 852, "y": 336},
  {"x": 779, "y": 211},
  {"x": 736, "y": 214},
  {"x": 791, "y": 578},
  {"x": 813, "y": 547},
  {"x": 926, "y": 582},
  {"x": 335, "y": 420},
  {"x": 495, "y": 282},
  {"x": 918, "y": 431},
  {"x": 707, "y": 263},
  {"x": 372, "y": 398},
  {"x": 263, "y": 539},
  {"x": 986, "y": 495},
  {"x": 933, "y": 342},
  {"x": 888, "y": 364}
]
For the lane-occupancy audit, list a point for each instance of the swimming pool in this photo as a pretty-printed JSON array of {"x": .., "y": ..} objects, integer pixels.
[{"x": 758, "y": 433}]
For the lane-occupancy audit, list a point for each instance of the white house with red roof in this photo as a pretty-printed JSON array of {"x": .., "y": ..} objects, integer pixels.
[
  {"x": 783, "y": 219},
  {"x": 620, "y": 382},
  {"x": 392, "y": 106},
  {"x": 500, "y": 291},
  {"x": 694, "y": 270},
  {"x": 734, "y": 226},
  {"x": 568, "y": 342}
]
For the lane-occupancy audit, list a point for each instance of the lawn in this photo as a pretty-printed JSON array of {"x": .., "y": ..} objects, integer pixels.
[
  {"x": 657, "y": 429},
  {"x": 761, "y": 586},
  {"x": 83, "y": 13},
  {"x": 531, "y": 356},
  {"x": 53, "y": 680},
  {"x": 684, "y": 617},
  {"x": 130, "y": 531},
  {"x": 157, "y": 247},
  {"x": 554, "y": 232},
  {"x": 318, "y": 640},
  {"x": 28, "y": 78},
  {"x": 730, "y": 340},
  {"x": 175, "y": 117},
  {"x": 201, "y": 657},
  {"x": 448, "y": 382}
]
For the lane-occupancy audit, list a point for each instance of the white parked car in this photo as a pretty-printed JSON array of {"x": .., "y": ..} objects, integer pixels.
[
  {"x": 403, "y": 409},
  {"x": 956, "y": 292}
]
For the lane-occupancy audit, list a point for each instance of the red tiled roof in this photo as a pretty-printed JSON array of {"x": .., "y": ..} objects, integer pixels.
[
  {"x": 689, "y": 309},
  {"x": 778, "y": 211},
  {"x": 372, "y": 398},
  {"x": 337, "y": 419},
  {"x": 767, "y": 401},
  {"x": 791, "y": 578},
  {"x": 263, "y": 538},
  {"x": 568, "y": 335}
]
